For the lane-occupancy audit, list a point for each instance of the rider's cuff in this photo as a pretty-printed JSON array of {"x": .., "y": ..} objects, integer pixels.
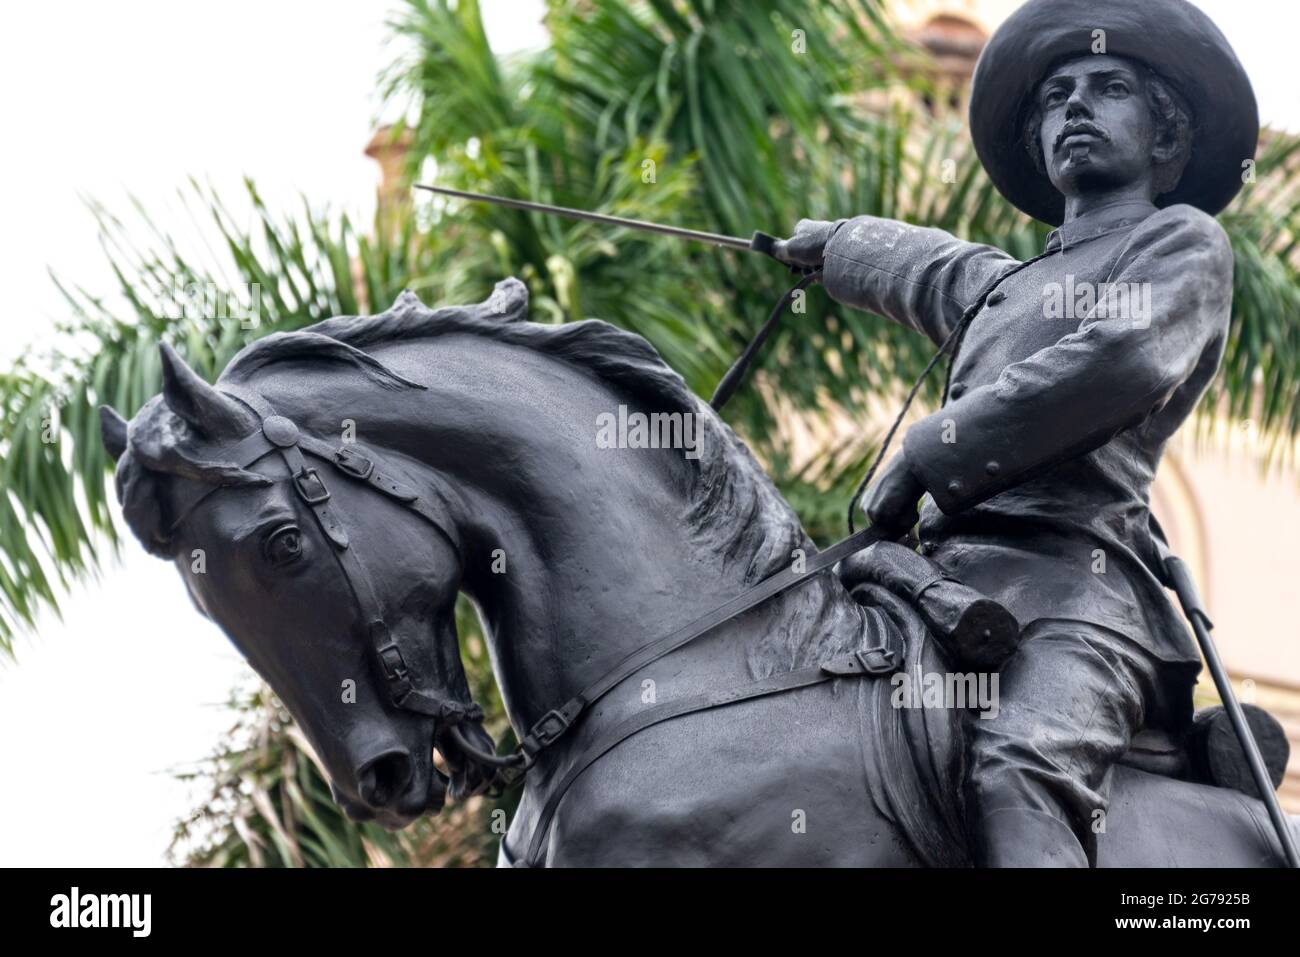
[{"x": 944, "y": 467}]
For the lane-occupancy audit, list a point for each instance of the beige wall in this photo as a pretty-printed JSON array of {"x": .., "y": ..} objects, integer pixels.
[{"x": 1245, "y": 547}]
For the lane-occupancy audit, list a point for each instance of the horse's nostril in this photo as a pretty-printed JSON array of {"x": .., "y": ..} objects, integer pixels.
[{"x": 384, "y": 778}]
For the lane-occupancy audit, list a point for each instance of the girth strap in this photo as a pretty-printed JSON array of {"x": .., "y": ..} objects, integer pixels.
[
  {"x": 555, "y": 722},
  {"x": 874, "y": 661}
]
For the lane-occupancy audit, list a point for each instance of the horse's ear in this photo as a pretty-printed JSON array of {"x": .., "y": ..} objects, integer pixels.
[
  {"x": 205, "y": 409},
  {"x": 406, "y": 300},
  {"x": 508, "y": 302},
  {"x": 112, "y": 428}
]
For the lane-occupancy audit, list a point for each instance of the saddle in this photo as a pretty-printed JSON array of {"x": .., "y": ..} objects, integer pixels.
[{"x": 975, "y": 633}]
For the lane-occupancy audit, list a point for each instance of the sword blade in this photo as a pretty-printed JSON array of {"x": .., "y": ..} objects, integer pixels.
[{"x": 677, "y": 232}]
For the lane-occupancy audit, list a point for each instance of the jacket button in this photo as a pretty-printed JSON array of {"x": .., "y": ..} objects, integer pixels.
[
  {"x": 927, "y": 548},
  {"x": 992, "y": 468},
  {"x": 954, "y": 487},
  {"x": 995, "y": 297},
  {"x": 957, "y": 390}
]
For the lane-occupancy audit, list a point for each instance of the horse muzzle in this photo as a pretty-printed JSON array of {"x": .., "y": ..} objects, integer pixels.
[{"x": 394, "y": 788}]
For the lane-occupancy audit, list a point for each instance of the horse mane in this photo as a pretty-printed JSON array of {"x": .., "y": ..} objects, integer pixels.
[
  {"x": 735, "y": 510},
  {"x": 734, "y": 506}
]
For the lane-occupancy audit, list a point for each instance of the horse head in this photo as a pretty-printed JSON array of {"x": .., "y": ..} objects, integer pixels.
[{"x": 284, "y": 554}]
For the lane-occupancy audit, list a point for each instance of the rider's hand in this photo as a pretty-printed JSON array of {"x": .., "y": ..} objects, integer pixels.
[
  {"x": 807, "y": 246},
  {"x": 891, "y": 501}
]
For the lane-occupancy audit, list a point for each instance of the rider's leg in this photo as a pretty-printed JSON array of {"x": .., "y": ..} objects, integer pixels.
[{"x": 1069, "y": 702}]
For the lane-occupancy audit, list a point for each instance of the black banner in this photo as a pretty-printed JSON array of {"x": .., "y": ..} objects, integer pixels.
[{"x": 505, "y": 906}]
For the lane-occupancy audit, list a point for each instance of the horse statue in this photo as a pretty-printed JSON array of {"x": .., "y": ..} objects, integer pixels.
[{"x": 471, "y": 459}]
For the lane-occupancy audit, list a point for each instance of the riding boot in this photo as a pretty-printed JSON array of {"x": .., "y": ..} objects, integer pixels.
[
  {"x": 1021, "y": 837},
  {"x": 974, "y": 629}
]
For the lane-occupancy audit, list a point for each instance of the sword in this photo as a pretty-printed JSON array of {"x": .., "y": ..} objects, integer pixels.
[{"x": 760, "y": 242}]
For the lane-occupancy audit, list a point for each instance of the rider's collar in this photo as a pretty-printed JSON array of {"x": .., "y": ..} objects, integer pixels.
[{"x": 1098, "y": 222}]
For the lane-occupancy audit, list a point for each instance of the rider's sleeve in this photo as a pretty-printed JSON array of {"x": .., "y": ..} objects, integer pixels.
[
  {"x": 921, "y": 278},
  {"x": 1110, "y": 374}
]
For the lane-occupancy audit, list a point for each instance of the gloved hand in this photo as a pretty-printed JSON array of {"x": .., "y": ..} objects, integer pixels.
[
  {"x": 807, "y": 247},
  {"x": 891, "y": 500}
]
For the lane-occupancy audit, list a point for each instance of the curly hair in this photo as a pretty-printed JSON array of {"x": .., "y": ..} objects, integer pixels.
[{"x": 1173, "y": 124}]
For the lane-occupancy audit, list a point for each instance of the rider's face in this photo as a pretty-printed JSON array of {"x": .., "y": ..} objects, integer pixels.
[{"x": 1097, "y": 128}]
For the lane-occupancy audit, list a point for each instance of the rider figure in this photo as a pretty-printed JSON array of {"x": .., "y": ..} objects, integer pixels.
[{"x": 1074, "y": 370}]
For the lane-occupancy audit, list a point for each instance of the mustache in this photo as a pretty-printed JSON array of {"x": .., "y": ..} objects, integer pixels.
[{"x": 1080, "y": 126}]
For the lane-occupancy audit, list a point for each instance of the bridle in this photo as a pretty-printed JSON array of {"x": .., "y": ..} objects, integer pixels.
[{"x": 278, "y": 434}]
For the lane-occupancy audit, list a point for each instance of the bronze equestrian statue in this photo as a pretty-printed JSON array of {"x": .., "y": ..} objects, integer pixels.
[{"x": 690, "y": 681}]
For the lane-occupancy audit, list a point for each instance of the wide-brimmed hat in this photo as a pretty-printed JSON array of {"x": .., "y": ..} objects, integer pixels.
[{"x": 1172, "y": 37}]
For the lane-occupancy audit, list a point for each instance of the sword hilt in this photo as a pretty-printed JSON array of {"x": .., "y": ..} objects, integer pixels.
[
  {"x": 765, "y": 245},
  {"x": 762, "y": 243}
]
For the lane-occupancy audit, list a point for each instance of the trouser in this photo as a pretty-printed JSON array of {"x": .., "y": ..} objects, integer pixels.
[{"x": 1070, "y": 700}]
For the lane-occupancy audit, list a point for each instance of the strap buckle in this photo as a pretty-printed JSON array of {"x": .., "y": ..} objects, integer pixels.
[
  {"x": 877, "y": 661},
  {"x": 311, "y": 489},
  {"x": 391, "y": 660},
  {"x": 353, "y": 463},
  {"x": 869, "y": 661},
  {"x": 548, "y": 728}
]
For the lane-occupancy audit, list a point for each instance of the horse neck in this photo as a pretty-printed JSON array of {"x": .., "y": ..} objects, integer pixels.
[
  {"x": 575, "y": 555},
  {"x": 570, "y": 580}
]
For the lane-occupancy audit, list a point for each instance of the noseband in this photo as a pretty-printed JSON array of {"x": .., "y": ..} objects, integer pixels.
[{"x": 279, "y": 434}]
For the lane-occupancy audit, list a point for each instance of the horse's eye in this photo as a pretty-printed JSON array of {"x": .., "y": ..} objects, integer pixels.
[{"x": 284, "y": 545}]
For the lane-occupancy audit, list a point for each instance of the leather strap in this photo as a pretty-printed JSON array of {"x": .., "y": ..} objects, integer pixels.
[
  {"x": 282, "y": 435},
  {"x": 350, "y": 459},
  {"x": 555, "y": 722},
  {"x": 915, "y": 593},
  {"x": 363, "y": 466},
  {"x": 246, "y": 452},
  {"x": 874, "y": 661}
]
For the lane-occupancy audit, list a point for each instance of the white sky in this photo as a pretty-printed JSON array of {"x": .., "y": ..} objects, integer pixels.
[
  {"x": 104, "y": 99},
  {"x": 100, "y": 99}
]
